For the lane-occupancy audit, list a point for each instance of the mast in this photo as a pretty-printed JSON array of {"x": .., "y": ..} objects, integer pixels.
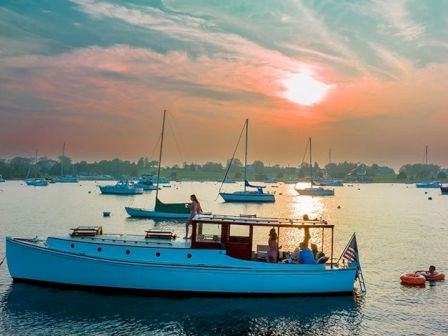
[
  {"x": 311, "y": 166},
  {"x": 426, "y": 154},
  {"x": 245, "y": 155},
  {"x": 160, "y": 154},
  {"x": 62, "y": 158}
]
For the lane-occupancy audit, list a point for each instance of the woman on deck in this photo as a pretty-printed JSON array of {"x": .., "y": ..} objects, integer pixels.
[
  {"x": 273, "y": 246},
  {"x": 195, "y": 209}
]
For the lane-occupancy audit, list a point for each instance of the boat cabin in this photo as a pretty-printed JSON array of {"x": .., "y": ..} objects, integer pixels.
[{"x": 235, "y": 234}]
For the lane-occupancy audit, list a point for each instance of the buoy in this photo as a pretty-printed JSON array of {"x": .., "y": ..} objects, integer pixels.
[
  {"x": 430, "y": 198},
  {"x": 106, "y": 213},
  {"x": 426, "y": 192},
  {"x": 90, "y": 192},
  {"x": 339, "y": 206}
]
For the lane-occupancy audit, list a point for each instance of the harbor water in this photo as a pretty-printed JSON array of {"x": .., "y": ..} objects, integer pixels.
[{"x": 399, "y": 230}]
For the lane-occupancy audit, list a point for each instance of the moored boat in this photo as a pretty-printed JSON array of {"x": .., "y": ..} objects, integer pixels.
[
  {"x": 66, "y": 179},
  {"x": 444, "y": 189},
  {"x": 36, "y": 182},
  {"x": 124, "y": 187},
  {"x": 217, "y": 260},
  {"x": 161, "y": 209},
  {"x": 432, "y": 185},
  {"x": 246, "y": 196},
  {"x": 146, "y": 183},
  {"x": 311, "y": 190}
]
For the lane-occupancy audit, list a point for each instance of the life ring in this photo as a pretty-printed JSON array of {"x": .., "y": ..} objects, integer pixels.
[
  {"x": 436, "y": 276},
  {"x": 413, "y": 279}
]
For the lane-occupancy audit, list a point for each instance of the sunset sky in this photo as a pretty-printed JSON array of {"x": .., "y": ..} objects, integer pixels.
[{"x": 367, "y": 78}]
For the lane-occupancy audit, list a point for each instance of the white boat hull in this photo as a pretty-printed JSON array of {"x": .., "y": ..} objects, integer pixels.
[
  {"x": 31, "y": 262},
  {"x": 252, "y": 197},
  {"x": 315, "y": 192},
  {"x": 144, "y": 213},
  {"x": 112, "y": 190}
]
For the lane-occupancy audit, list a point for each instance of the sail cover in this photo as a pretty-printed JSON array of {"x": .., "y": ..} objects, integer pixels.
[
  {"x": 171, "y": 207},
  {"x": 247, "y": 184}
]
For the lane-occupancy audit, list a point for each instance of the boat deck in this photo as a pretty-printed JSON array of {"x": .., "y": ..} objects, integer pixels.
[{"x": 129, "y": 240}]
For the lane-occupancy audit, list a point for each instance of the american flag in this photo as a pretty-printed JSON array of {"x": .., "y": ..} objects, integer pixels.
[{"x": 351, "y": 251}]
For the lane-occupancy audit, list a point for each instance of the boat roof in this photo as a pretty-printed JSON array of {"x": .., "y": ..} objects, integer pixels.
[{"x": 261, "y": 221}]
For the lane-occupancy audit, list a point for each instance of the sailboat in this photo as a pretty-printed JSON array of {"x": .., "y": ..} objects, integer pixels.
[
  {"x": 312, "y": 191},
  {"x": 35, "y": 182},
  {"x": 256, "y": 196},
  {"x": 161, "y": 210},
  {"x": 432, "y": 184},
  {"x": 65, "y": 178}
]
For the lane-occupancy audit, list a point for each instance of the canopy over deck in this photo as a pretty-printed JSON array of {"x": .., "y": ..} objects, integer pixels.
[{"x": 262, "y": 221}]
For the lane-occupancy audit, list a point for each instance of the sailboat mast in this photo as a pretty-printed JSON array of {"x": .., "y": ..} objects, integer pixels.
[
  {"x": 426, "y": 154},
  {"x": 160, "y": 154},
  {"x": 245, "y": 155},
  {"x": 311, "y": 165},
  {"x": 62, "y": 159}
]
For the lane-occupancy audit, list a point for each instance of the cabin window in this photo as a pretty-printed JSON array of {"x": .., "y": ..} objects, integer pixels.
[
  {"x": 239, "y": 230},
  {"x": 208, "y": 233}
]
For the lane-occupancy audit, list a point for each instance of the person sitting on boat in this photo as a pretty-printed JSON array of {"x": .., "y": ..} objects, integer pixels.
[
  {"x": 305, "y": 255},
  {"x": 319, "y": 256},
  {"x": 195, "y": 209},
  {"x": 273, "y": 246}
]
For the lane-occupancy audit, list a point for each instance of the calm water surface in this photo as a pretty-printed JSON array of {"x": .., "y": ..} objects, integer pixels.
[{"x": 398, "y": 229}]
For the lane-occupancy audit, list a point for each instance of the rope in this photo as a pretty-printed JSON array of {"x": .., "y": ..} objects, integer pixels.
[
  {"x": 231, "y": 161},
  {"x": 1, "y": 263}
]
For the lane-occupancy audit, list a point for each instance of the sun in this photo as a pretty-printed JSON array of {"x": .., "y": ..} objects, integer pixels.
[{"x": 304, "y": 89}]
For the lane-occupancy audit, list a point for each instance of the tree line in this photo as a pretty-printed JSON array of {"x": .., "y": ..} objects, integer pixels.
[{"x": 22, "y": 167}]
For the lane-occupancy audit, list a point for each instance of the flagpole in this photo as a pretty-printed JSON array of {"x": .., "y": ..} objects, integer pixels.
[{"x": 346, "y": 247}]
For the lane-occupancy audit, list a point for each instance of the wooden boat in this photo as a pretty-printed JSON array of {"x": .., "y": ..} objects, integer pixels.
[
  {"x": 246, "y": 196},
  {"x": 218, "y": 260}
]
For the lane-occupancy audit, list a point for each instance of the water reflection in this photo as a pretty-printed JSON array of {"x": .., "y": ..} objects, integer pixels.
[{"x": 26, "y": 308}]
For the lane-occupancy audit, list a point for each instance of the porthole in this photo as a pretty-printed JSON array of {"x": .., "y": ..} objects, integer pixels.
[
  {"x": 99, "y": 249},
  {"x": 128, "y": 252},
  {"x": 72, "y": 245},
  {"x": 157, "y": 254},
  {"x": 189, "y": 255}
]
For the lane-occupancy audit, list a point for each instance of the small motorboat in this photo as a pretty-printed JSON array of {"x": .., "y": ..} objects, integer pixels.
[
  {"x": 124, "y": 187},
  {"x": 146, "y": 183},
  {"x": 36, "y": 182}
]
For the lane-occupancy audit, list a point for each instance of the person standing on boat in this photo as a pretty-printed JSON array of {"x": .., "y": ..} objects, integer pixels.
[
  {"x": 195, "y": 209},
  {"x": 273, "y": 246}
]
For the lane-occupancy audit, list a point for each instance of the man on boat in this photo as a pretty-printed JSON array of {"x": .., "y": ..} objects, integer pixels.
[{"x": 305, "y": 255}]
